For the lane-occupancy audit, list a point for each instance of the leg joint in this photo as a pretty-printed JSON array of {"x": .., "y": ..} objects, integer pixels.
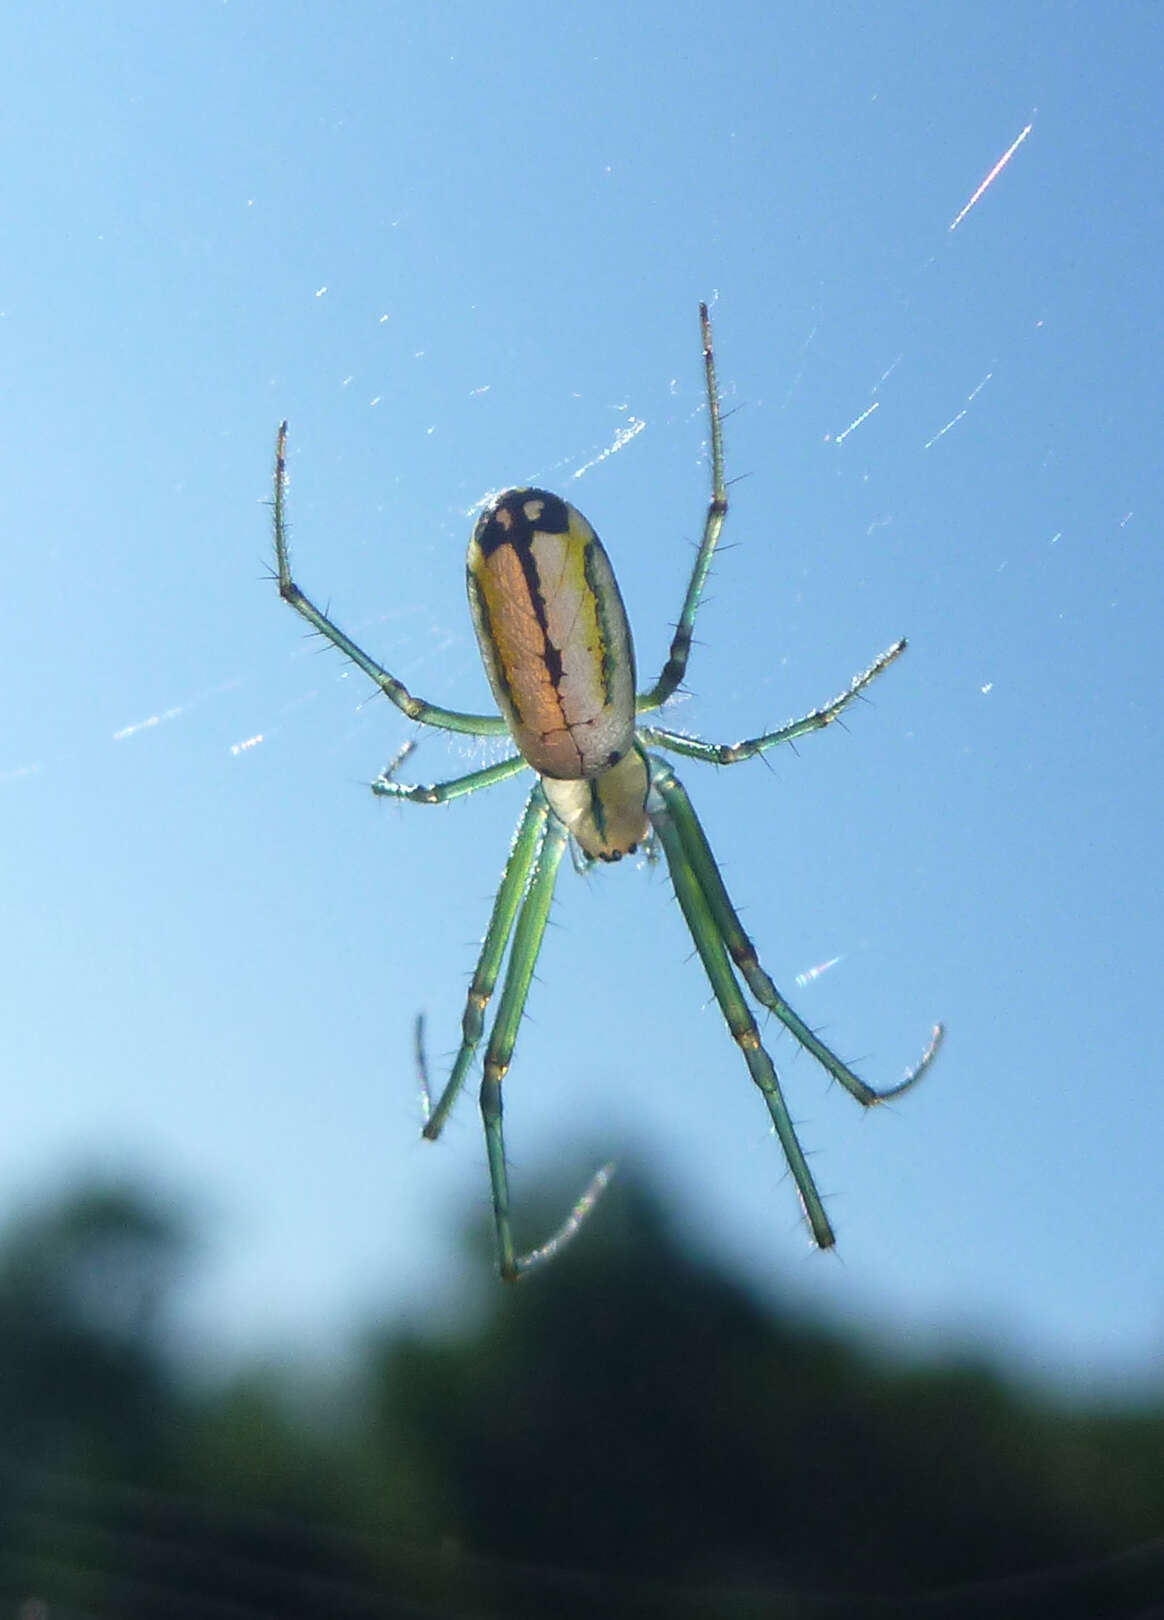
[{"x": 491, "y": 1091}]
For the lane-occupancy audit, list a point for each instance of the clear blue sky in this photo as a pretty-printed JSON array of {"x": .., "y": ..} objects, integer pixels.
[{"x": 461, "y": 246}]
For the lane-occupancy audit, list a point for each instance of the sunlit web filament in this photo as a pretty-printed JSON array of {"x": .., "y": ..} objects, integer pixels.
[
  {"x": 622, "y": 438},
  {"x": 841, "y": 437},
  {"x": 954, "y": 420},
  {"x": 993, "y": 175},
  {"x": 810, "y": 974}
]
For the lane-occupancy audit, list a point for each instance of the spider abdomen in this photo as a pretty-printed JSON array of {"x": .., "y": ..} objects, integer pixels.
[{"x": 553, "y": 634}]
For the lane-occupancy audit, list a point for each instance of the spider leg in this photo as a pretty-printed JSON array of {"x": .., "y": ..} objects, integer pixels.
[
  {"x": 553, "y": 1246},
  {"x": 675, "y": 668},
  {"x": 697, "y": 854},
  {"x": 732, "y": 753},
  {"x": 522, "y": 852},
  {"x": 428, "y": 714},
  {"x": 707, "y": 934},
  {"x": 527, "y": 942},
  {"x": 442, "y": 792}
]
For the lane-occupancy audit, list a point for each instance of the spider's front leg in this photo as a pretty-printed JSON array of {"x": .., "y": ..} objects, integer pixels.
[
  {"x": 724, "y": 949},
  {"x": 527, "y": 943},
  {"x": 700, "y": 918},
  {"x": 521, "y": 909},
  {"x": 697, "y": 854},
  {"x": 523, "y": 851}
]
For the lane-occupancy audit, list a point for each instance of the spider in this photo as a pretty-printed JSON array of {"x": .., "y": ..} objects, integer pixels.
[{"x": 557, "y": 649}]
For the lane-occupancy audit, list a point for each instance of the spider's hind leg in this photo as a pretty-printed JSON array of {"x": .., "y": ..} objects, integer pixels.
[
  {"x": 712, "y": 753},
  {"x": 675, "y": 668},
  {"x": 418, "y": 709}
]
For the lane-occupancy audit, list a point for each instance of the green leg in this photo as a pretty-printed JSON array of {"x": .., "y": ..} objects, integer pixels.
[
  {"x": 676, "y": 666},
  {"x": 527, "y": 942},
  {"x": 733, "y": 753},
  {"x": 553, "y": 1246},
  {"x": 442, "y": 792},
  {"x": 477, "y": 725},
  {"x": 697, "y": 854},
  {"x": 697, "y": 910},
  {"x": 513, "y": 882}
]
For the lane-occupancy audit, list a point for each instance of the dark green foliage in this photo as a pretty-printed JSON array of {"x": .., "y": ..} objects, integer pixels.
[{"x": 627, "y": 1434}]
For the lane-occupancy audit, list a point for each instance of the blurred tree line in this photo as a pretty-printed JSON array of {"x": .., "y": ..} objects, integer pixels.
[{"x": 626, "y": 1435}]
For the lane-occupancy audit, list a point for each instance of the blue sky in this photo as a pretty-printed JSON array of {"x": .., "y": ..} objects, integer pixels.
[{"x": 462, "y": 246}]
